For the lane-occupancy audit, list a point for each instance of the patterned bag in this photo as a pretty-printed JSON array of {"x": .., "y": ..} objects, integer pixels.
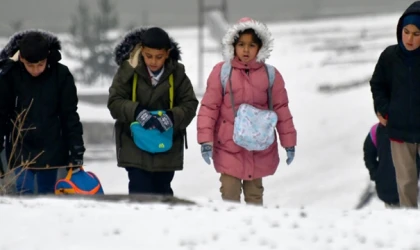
[{"x": 254, "y": 129}]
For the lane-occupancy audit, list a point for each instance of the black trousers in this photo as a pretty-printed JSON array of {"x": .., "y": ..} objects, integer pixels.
[{"x": 146, "y": 182}]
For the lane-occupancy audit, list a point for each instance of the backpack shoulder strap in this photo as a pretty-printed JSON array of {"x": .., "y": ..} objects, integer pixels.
[
  {"x": 224, "y": 75},
  {"x": 373, "y": 133},
  {"x": 271, "y": 74},
  {"x": 134, "y": 94},
  {"x": 171, "y": 89}
]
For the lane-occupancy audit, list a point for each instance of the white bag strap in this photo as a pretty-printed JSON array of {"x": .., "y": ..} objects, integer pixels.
[
  {"x": 271, "y": 74},
  {"x": 225, "y": 75}
]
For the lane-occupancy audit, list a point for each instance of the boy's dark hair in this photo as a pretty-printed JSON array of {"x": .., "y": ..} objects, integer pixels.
[
  {"x": 156, "y": 38},
  {"x": 255, "y": 37},
  {"x": 34, "y": 47}
]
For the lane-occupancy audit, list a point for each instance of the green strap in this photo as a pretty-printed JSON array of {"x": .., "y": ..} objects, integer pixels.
[
  {"x": 171, "y": 89},
  {"x": 134, "y": 94}
]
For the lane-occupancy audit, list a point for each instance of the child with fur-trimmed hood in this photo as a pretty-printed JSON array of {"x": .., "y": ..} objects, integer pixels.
[
  {"x": 35, "y": 84},
  {"x": 247, "y": 45},
  {"x": 153, "y": 56}
]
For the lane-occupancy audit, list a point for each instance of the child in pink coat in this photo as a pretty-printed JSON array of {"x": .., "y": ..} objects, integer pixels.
[{"x": 247, "y": 45}]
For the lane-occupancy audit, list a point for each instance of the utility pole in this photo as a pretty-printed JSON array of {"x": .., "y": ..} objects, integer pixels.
[{"x": 216, "y": 17}]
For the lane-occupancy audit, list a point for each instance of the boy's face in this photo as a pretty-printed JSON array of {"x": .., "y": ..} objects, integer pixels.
[
  {"x": 154, "y": 58},
  {"x": 411, "y": 37},
  {"x": 246, "y": 49},
  {"x": 34, "y": 69}
]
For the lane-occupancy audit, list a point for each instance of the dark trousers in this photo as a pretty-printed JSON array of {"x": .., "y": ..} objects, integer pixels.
[
  {"x": 145, "y": 182},
  {"x": 45, "y": 180}
]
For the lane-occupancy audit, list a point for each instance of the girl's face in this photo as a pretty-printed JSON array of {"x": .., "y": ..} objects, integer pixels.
[
  {"x": 246, "y": 49},
  {"x": 411, "y": 37}
]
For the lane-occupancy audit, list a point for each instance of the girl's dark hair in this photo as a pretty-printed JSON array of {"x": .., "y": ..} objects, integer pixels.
[{"x": 255, "y": 37}]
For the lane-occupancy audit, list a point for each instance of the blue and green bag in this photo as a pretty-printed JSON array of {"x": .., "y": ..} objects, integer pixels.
[{"x": 152, "y": 140}]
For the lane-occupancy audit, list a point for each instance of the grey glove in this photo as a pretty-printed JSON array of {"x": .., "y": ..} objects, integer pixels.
[
  {"x": 207, "y": 152},
  {"x": 145, "y": 118},
  {"x": 290, "y": 155},
  {"x": 164, "y": 122}
]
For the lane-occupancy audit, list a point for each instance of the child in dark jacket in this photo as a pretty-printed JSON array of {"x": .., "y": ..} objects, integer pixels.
[
  {"x": 395, "y": 91},
  {"x": 378, "y": 160}
]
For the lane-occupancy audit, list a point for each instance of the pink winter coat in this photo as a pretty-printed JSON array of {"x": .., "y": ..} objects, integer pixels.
[{"x": 215, "y": 120}]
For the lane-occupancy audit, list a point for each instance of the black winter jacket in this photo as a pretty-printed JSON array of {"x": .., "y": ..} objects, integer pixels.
[
  {"x": 52, "y": 131},
  {"x": 395, "y": 87}
]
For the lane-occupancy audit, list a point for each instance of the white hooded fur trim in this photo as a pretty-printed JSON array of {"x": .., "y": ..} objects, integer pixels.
[{"x": 260, "y": 29}]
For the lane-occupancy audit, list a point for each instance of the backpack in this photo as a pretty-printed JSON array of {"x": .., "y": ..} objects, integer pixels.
[
  {"x": 152, "y": 140},
  {"x": 254, "y": 129},
  {"x": 226, "y": 71},
  {"x": 79, "y": 183},
  {"x": 372, "y": 133}
]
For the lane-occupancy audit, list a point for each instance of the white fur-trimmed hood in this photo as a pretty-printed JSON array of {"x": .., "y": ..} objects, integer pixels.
[{"x": 260, "y": 29}]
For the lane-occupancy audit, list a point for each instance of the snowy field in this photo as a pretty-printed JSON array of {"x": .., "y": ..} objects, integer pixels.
[
  {"x": 72, "y": 225},
  {"x": 308, "y": 205}
]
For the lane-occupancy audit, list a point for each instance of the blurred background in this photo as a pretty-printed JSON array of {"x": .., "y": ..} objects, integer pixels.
[
  {"x": 326, "y": 51},
  {"x": 56, "y": 15}
]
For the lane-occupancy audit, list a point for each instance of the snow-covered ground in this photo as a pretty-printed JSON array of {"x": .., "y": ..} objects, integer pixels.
[
  {"x": 309, "y": 204},
  {"x": 49, "y": 225}
]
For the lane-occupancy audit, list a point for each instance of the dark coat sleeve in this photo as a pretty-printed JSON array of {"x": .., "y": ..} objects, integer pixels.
[
  {"x": 70, "y": 121},
  {"x": 186, "y": 103},
  {"x": 370, "y": 156},
  {"x": 6, "y": 104},
  {"x": 120, "y": 105},
  {"x": 380, "y": 86}
]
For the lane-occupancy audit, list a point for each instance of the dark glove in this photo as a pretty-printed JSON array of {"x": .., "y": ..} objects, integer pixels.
[
  {"x": 290, "y": 155},
  {"x": 76, "y": 156},
  {"x": 144, "y": 118},
  {"x": 149, "y": 121},
  {"x": 164, "y": 122}
]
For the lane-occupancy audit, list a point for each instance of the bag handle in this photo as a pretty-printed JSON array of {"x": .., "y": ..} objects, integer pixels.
[{"x": 70, "y": 173}]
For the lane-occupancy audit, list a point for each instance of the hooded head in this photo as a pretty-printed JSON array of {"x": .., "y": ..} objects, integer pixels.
[
  {"x": 408, "y": 29},
  {"x": 34, "y": 48},
  {"x": 155, "y": 44},
  {"x": 249, "y": 30}
]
